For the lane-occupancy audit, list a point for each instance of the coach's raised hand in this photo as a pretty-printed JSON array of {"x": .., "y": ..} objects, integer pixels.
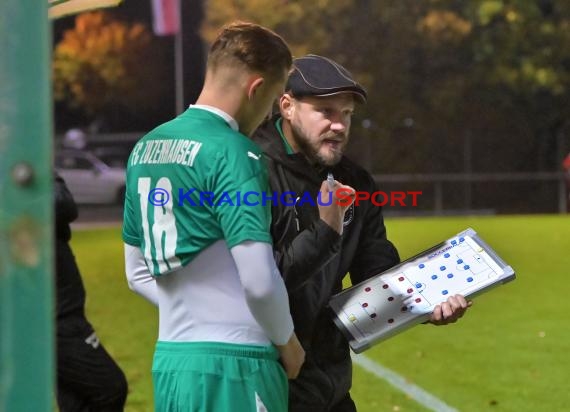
[{"x": 332, "y": 211}]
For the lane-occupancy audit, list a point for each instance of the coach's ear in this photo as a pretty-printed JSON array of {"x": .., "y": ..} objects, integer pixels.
[{"x": 286, "y": 106}]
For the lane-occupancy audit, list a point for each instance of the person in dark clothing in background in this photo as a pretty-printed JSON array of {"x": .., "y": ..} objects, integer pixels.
[
  {"x": 315, "y": 246},
  {"x": 88, "y": 379}
]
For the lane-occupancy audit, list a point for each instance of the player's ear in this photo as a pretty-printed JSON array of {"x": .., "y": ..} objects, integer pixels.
[
  {"x": 254, "y": 85},
  {"x": 286, "y": 106}
]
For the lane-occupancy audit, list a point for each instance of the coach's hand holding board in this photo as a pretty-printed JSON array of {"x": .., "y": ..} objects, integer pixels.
[
  {"x": 428, "y": 287},
  {"x": 450, "y": 311}
]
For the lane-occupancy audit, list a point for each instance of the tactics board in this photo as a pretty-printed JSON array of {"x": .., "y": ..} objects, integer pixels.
[{"x": 406, "y": 294}]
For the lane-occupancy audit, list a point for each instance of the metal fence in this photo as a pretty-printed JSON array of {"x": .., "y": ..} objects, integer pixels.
[
  {"x": 442, "y": 193},
  {"x": 479, "y": 193}
]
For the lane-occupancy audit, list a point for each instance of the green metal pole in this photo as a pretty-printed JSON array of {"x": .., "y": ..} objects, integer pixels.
[{"x": 26, "y": 257}]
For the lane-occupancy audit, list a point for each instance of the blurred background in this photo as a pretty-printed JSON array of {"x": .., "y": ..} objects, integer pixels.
[{"x": 468, "y": 101}]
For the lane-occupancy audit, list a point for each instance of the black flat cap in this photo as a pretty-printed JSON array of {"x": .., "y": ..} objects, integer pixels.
[{"x": 314, "y": 75}]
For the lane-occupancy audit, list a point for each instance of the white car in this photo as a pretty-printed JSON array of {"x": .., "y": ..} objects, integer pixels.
[{"x": 89, "y": 179}]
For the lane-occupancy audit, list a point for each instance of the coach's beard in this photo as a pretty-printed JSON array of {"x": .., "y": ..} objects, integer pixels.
[{"x": 326, "y": 153}]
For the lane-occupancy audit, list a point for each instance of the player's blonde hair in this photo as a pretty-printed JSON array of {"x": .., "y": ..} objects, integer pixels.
[{"x": 255, "y": 47}]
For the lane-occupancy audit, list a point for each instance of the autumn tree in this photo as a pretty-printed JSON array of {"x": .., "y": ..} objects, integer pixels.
[
  {"x": 445, "y": 78},
  {"x": 305, "y": 25},
  {"x": 104, "y": 64},
  {"x": 522, "y": 52}
]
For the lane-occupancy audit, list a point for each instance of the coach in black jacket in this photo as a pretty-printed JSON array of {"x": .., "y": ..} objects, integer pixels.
[
  {"x": 316, "y": 245},
  {"x": 88, "y": 379}
]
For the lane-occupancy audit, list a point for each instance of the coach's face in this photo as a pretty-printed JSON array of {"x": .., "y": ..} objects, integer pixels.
[{"x": 320, "y": 126}]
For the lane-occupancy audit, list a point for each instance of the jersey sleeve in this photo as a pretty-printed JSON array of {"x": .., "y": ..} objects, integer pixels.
[{"x": 240, "y": 186}]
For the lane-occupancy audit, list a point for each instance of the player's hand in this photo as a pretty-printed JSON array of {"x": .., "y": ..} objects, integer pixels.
[
  {"x": 292, "y": 356},
  {"x": 342, "y": 197},
  {"x": 450, "y": 310}
]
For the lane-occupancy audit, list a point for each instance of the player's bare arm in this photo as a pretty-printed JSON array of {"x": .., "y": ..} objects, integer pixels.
[{"x": 292, "y": 356}]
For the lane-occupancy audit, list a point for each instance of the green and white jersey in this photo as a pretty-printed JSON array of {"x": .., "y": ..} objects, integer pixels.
[{"x": 185, "y": 181}]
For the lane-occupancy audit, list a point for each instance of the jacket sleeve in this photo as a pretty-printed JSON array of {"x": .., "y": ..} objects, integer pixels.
[
  {"x": 65, "y": 207},
  {"x": 307, "y": 254},
  {"x": 375, "y": 252}
]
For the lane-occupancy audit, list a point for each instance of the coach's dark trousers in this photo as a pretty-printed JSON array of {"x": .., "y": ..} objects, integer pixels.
[{"x": 88, "y": 379}]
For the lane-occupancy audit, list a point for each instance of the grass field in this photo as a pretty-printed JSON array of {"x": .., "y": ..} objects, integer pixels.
[{"x": 509, "y": 353}]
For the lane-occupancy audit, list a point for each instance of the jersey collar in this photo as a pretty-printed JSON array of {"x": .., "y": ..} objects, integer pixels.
[{"x": 229, "y": 120}]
